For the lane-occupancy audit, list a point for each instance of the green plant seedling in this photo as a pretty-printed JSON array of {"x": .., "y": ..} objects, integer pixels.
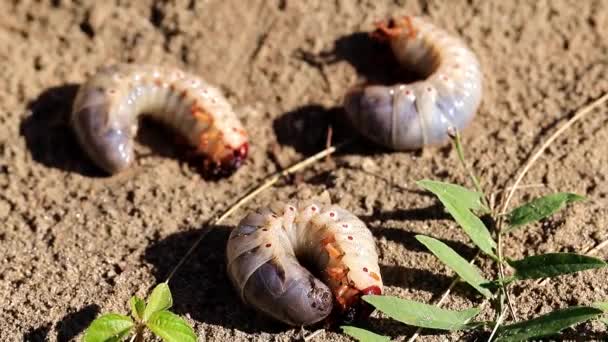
[
  {"x": 467, "y": 207},
  {"x": 153, "y": 315}
]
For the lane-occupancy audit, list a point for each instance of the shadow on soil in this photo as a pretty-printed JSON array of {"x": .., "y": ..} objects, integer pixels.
[
  {"x": 201, "y": 288},
  {"x": 49, "y": 136},
  {"x": 67, "y": 328},
  {"x": 305, "y": 128}
]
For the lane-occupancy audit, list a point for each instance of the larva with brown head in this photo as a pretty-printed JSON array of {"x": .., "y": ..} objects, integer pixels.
[
  {"x": 409, "y": 116},
  {"x": 108, "y": 105},
  {"x": 267, "y": 251}
]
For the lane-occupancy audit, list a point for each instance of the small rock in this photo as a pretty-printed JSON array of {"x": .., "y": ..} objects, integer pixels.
[{"x": 368, "y": 165}]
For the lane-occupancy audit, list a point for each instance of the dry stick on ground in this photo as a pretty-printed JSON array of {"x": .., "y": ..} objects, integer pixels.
[
  {"x": 270, "y": 181},
  {"x": 580, "y": 114},
  {"x": 330, "y": 133}
]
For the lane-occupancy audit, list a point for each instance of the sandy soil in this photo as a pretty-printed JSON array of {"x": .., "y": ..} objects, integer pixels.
[{"x": 74, "y": 243}]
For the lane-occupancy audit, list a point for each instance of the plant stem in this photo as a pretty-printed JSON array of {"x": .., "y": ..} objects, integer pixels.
[
  {"x": 501, "y": 272},
  {"x": 458, "y": 145},
  {"x": 579, "y": 114},
  {"x": 270, "y": 181},
  {"x": 459, "y": 150},
  {"x": 455, "y": 137}
]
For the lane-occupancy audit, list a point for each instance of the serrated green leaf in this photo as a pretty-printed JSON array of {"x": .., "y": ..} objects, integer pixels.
[
  {"x": 547, "y": 324},
  {"x": 109, "y": 328},
  {"x": 553, "y": 264},
  {"x": 137, "y": 307},
  {"x": 540, "y": 208},
  {"x": 170, "y": 327},
  {"x": 459, "y": 205},
  {"x": 420, "y": 314},
  {"x": 363, "y": 335},
  {"x": 159, "y": 300},
  {"x": 467, "y": 271}
]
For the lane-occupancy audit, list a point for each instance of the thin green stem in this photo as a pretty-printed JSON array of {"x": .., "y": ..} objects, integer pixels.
[
  {"x": 455, "y": 136},
  {"x": 503, "y": 287},
  {"x": 501, "y": 272},
  {"x": 505, "y": 205}
]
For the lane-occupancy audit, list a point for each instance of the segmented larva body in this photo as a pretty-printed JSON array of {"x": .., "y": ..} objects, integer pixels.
[
  {"x": 263, "y": 253},
  {"x": 409, "y": 116},
  {"x": 108, "y": 105}
]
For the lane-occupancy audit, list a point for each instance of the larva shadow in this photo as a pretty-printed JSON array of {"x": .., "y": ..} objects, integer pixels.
[
  {"x": 306, "y": 129},
  {"x": 373, "y": 60},
  {"x": 48, "y": 134},
  {"x": 201, "y": 287},
  {"x": 408, "y": 240},
  {"x": 161, "y": 141},
  {"x": 430, "y": 281},
  {"x": 432, "y": 212}
]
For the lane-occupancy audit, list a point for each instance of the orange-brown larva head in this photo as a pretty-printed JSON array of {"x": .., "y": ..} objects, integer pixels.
[
  {"x": 390, "y": 29},
  {"x": 358, "y": 309},
  {"x": 228, "y": 164}
]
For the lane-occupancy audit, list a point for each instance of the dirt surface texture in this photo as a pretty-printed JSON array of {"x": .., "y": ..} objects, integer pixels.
[{"x": 75, "y": 243}]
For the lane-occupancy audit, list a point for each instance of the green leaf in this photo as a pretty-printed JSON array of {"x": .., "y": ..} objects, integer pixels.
[
  {"x": 458, "y": 202},
  {"x": 170, "y": 327},
  {"x": 420, "y": 314},
  {"x": 553, "y": 264},
  {"x": 137, "y": 307},
  {"x": 109, "y": 328},
  {"x": 540, "y": 208},
  {"x": 364, "y": 335},
  {"x": 468, "y": 198},
  {"x": 601, "y": 305},
  {"x": 159, "y": 300},
  {"x": 458, "y": 264},
  {"x": 547, "y": 324}
]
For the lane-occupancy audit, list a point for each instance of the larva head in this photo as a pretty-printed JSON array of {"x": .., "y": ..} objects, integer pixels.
[
  {"x": 370, "y": 111},
  {"x": 392, "y": 28},
  {"x": 108, "y": 144},
  {"x": 360, "y": 310},
  {"x": 350, "y": 306},
  {"x": 226, "y": 165}
]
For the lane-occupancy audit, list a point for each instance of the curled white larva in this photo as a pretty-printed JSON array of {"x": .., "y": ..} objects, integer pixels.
[
  {"x": 108, "y": 105},
  {"x": 264, "y": 254},
  {"x": 409, "y": 116}
]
